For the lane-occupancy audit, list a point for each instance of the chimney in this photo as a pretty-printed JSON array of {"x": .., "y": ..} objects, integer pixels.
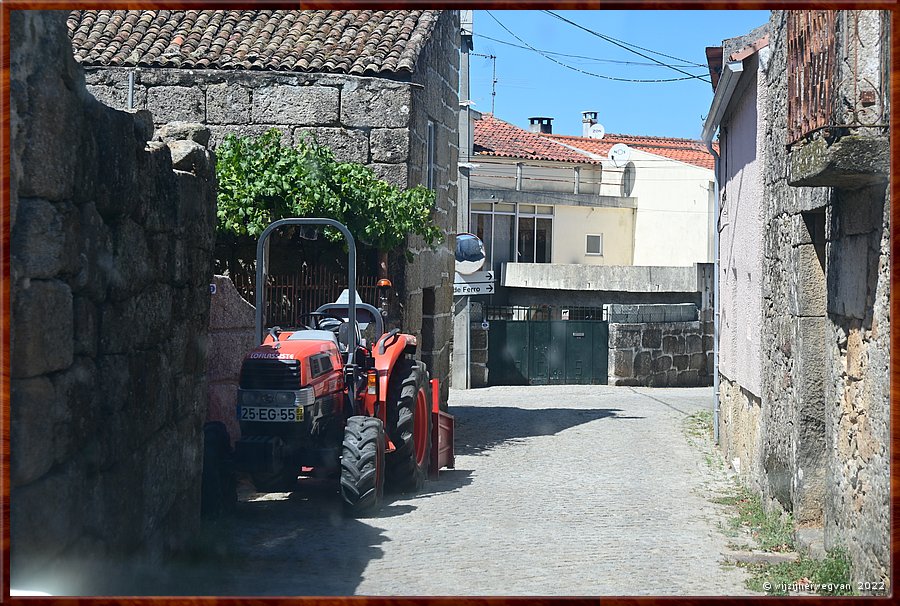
[
  {"x": 588, "y": 119},
  {"x": 541, "y": 124}
]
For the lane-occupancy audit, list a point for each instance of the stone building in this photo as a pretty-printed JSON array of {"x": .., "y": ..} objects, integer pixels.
[
  {"x": 378, "y": 87},
  {"x": 813, "y": 434},
  {"x": 111, "y": 242}
]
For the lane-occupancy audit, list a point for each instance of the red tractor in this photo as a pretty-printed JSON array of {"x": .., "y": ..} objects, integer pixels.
[{"x": 319, "y": 399}]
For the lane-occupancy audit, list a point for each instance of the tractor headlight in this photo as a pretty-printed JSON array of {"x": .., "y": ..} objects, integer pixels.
[{"x": 248, "y": 398}]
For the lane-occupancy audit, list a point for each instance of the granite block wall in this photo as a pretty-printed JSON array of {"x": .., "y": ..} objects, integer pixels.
[{"x": 111, "y": 249}]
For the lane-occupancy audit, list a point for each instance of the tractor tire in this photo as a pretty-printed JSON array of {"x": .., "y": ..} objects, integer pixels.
[
  {"x": 218, "y": 488},
  {"x": 362, "y": 465},
  {"x": 281, "y": 481},
  {"x": 409, "y": 426}
]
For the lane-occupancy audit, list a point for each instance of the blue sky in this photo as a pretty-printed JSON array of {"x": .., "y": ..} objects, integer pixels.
[{"x": 529, "y": 84}]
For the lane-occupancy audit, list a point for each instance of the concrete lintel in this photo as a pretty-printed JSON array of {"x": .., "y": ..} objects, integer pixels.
[
  {"x": 626, "y": 278},
  {"x": 477, "y": 194},
  {"x": 851, "y": 162}
]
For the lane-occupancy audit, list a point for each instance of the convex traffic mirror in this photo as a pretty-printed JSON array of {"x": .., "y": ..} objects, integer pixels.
[{"x": 469, "y": 253}]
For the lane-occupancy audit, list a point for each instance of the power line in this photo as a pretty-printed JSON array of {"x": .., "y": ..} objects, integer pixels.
[
  {"x": 587, "y": 73},
  {"x": 626, "y": 47},
  {"x": 610, "y": 38},
  {"x": 594, "y": 59}
]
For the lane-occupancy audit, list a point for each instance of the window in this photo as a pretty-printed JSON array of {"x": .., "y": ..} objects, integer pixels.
[
  {"x": 594, "y": 245},
  {"x": 520, "y": 233},
  {"x": 429, "y": 155}
]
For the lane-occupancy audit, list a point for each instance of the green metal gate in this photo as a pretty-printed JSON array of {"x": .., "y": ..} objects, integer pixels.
[{"x": 535, "y": 346}]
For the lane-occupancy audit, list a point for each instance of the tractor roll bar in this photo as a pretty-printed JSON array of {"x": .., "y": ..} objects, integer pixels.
[{"x": 351, "y": 272}]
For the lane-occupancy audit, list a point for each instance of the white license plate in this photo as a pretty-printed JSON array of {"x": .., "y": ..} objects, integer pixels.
[{"x": 258, "y": 413}]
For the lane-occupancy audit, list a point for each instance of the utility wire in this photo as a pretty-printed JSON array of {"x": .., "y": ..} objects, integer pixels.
[
  {"x": 688, "y": 61},
  {"x": 594, "y": 59},
  {"x": 624, "y": 45},
  {"x": 587, "y": 73}
]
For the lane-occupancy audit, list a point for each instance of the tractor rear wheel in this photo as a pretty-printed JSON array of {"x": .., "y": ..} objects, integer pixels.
[
  {"x": 409, "y": 425},
  {"x": 362, "y": 465}
]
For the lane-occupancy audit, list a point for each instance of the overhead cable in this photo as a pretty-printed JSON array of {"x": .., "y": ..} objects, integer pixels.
[
  {"x": 587, "y": 73},
  {"x": 594, "y": 59},
  {"x": 625, "y": 46}
]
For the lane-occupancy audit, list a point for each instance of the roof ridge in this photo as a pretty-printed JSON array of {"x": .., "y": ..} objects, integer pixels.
[{"x": 625, "y": 136}]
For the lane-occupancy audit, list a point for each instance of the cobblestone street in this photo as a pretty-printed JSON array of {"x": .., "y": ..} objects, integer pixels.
[{"x": 570, "y": 490}]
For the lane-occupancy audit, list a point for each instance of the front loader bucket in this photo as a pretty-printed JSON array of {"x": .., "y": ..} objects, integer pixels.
[{"x": 441, "y": 434}]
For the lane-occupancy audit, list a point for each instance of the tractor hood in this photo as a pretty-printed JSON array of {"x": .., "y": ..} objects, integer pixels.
[{"x": 297, "y": 359}]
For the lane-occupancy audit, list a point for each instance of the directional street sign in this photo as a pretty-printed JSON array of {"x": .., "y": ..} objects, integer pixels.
[
  {"x": 477, "y": 283},
  {"x": 474, "y": 278},
  {"x": 473, "y": 289}
]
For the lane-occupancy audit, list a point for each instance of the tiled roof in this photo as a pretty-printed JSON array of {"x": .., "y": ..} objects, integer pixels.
[
  {"x": 346, "y": 42},
  {"x": 498, "y": 138},
  {"x": 684, "y": 150}
]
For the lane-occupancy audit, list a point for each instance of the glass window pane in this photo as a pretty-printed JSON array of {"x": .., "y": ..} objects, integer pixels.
[
  {"x": 527, "y": 209},
  {"x": 594, "y": 245},
  {"x": 505, "y": 208},
  {"x": 481, "y": 227},
  {"x": 544, "y": 210},
  {"x": 526, "y": 240},
  {"x": 503, "y": 241},
  {"x": 543, "y": 241},
  {"x": 482, "y": 206}
]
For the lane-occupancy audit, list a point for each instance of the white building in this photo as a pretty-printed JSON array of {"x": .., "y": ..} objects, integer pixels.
[{"x": 539, "y": 198}]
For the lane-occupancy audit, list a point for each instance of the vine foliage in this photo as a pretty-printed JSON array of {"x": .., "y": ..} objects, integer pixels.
[{"x": 261, "y": 180}]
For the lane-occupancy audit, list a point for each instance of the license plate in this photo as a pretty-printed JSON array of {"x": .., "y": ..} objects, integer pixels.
[{"x": 258, "y": 413}]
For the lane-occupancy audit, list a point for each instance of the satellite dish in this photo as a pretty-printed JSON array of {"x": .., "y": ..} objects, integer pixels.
[
  {"x": 469, "y": 253},
  {"x": 620, "y": 154},
  {"x": 596, "y": 131}
]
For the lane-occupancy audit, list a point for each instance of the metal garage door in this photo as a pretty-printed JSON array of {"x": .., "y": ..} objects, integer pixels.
[{"x": 527, "y": 346}]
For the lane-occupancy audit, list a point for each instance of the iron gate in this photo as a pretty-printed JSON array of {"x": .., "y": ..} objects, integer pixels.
[{"x": 537, "y": 346}]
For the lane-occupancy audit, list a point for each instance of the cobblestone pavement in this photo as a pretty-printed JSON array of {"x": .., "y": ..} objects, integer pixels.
[{"x": 558, "y": 490}]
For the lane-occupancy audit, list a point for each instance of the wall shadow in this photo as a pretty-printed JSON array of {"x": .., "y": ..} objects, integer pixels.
[{"x": 481, "y": 428}]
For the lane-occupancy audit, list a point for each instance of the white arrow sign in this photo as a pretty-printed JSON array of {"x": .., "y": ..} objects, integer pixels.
[
  {"x": 478, "y": 277},
  {"x": 473, "y": 289}
]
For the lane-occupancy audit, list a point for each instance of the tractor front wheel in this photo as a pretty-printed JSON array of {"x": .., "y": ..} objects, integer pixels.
[
  {"x": 409, "y": 425},
  {"x": 362, "y": 465}
]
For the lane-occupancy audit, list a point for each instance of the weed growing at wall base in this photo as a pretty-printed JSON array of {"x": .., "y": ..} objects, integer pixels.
[
  {"x": 770, "y": 531},
  {"x": 830, "y": 576}
]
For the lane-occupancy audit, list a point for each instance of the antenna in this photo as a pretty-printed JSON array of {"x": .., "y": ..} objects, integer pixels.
[
  {"x": 619, "y": 154},
  {"x": 493, "y": 59},
  {"x": 596, "y": 131}
]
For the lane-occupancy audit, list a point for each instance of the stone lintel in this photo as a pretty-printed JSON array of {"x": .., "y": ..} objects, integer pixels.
[{"x": 851, "y": 162}]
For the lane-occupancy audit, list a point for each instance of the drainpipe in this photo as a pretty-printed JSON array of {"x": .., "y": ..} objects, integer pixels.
[
  {"x": 131, "y": 90},
  {"x": 715, "y": 156},
  {"x": 731, "y": 73}
]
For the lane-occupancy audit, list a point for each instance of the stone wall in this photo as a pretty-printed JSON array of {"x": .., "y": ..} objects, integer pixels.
[
  {"x": 825, "y": 333},
  {"x": 232, "y": 323},
  {"x": 740, "y": 430},
  {"x": 375, "y": 121},
  {"x": 428, "y": 280},
  {"x": 110, "y": 259},
  {"x": 660, "y": 354}
]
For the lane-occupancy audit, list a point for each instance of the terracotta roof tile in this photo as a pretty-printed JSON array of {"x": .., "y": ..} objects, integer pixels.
[
  {"x": 498, "y": 138},
  {"x": 690, "y": 151},
  {"x": 349, "y": 42}
]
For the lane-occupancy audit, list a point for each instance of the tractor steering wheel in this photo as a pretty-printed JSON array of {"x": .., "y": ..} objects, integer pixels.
[{"x": 317, "y": 317}]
